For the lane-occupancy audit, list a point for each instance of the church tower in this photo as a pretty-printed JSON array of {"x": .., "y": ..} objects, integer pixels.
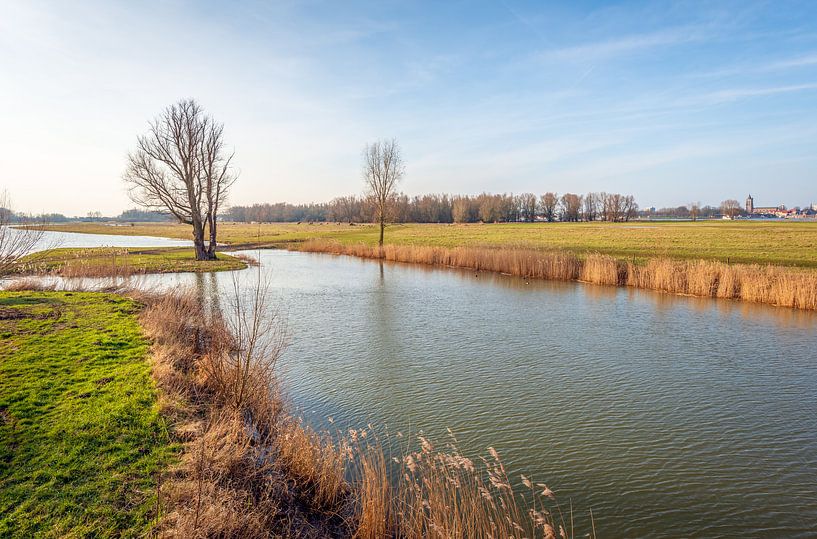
[{"x": 750, "y": 205}]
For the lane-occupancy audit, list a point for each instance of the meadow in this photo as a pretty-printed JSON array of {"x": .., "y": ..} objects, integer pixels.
[
  {"x": 744, "y": 242},
  {"x": 759, "y": 261},
  {"x": 81, "y": 438}
]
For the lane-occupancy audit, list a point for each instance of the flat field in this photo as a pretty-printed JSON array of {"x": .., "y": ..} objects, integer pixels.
[
  {"x": 762, "y": 242},
  {"x": 81, "y": 438}
]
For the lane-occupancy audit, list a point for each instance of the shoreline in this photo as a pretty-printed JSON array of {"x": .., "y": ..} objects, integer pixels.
[
  {"x": 249, "y": 467},
  {"x": 778, "y": 286},
  {"x": 780, "y": 244},
  {"x": 89, "y": 262},
  {"x": 231, "y": 458},
  {"x": 787, "y": 286}
]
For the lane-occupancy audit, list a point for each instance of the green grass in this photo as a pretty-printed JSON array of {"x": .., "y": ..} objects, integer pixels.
[
  {"x": 103, "y": 259},
  {"x": 764, "y": 242},
  {"x": 81, "y": 438}
]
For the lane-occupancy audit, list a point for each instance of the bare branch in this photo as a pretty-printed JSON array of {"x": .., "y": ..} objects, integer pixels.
[
  {"x": 18, "y": 241},
  {"x": 383, "y": 168},
  {"x": 180, "y": 166}
]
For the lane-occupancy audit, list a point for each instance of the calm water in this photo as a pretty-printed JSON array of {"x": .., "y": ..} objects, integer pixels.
[
  {"x": 669, "y": 416},
  {"x": 51, "y": 240}
]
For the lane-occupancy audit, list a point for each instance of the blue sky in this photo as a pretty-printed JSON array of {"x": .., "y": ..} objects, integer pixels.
[{"x": 673, "y": 102}]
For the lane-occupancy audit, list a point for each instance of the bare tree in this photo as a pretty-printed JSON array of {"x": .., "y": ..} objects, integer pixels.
[
  {"x": 571, "y": 205},
  {"x": 382, "y": 169},
  {"x": 548, "y": 204},
  {"x": 612, "y": 206},
  {"x": 527, "y": 206},
  {"x": 241, "y": 362},
  {"x": 730, "y": 207},
  {"x": 694, "y": 210},
  {"x": 463, "y": 209},
  {"x": 217, "y": 176},
  {"x": 181, "y": 166},
  {"x": 616, "y": 207},
  {"x": 629, "y": 208},
  {"x": 347, "y": 208},
  {"x": 591, "y": 206},
  {"x": 15, "y": 242}
]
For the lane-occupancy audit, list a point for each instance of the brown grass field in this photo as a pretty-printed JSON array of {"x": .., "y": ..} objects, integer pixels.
[{"x": 746, "y": 242}]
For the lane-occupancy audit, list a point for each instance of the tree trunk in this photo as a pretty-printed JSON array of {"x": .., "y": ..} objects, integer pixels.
[
  {"x": 211, "y": 249},
  {"x": 202, "y": 253},
  {"x": 380, "y": 243}
]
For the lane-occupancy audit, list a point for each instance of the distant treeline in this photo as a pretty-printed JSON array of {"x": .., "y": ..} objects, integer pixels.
[
  {"x": 132, "y": 215},
  {"x": 143, "y": 216},
  {"x": 433, "y": 208},
  {"x": 690, "y": 212}
]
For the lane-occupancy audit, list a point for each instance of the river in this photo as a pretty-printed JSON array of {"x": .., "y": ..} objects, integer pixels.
[{"x": 668, "y": 416}]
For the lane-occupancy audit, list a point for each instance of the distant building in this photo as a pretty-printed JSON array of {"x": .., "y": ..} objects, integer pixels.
[
  {"x": 774, "y": 211},
  {"x": 769, "y": 210}
]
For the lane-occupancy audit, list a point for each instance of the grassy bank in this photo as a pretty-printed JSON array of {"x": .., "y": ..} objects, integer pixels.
[
  {"x": 745, "y": 242},
  {"x": 110, "y": 261},
  {"x": 81, "y": 438}
]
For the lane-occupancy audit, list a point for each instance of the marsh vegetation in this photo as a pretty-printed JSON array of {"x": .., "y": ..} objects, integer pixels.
[
  {"x": 72, "y": 262},
  {"x": 781, "y": 286}
]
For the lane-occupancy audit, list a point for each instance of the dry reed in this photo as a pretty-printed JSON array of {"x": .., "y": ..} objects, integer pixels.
[
  {"x": 249, "y": 468},
  {"x": 774, "y": 285},
  {"x": 84, "y": 263},
  {"x": 27, "y": 284}
]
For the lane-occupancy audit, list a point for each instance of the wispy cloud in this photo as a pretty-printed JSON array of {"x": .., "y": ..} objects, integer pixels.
[
  {"x": 734, "y": 94},
  {"x": 801, "y": 61},
  {"x": 769, "y": 66},
  {"x": 631, "y": 44}
]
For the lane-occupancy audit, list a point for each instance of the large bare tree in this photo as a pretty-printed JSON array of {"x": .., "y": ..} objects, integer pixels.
[
  {"x": 730, "y": 207},
  {"x": 571, "y": 207},
  {"x": 181, "y": 165},
  {"x": 383, "y": 168},
  {"x": 15, "y": 241},
  {"x": 527, "y": 206},
  {"x": 548, "y": 205},
  {"x": 694, "y": 210},
  {"x": 591, "y": 206}
]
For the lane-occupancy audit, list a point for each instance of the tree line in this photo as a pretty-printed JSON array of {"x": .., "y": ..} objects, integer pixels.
[
  {"x": 444, "y": 208},
  {"x": 127, "y": 216},
  {"x": 728, "y": 208}
]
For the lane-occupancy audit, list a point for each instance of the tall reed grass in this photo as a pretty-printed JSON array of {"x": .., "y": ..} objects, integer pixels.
[
  {"x": 83, "y": 263},
  {"x": 774, "y": 285},
  {"x": 250, "y": 468}
]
